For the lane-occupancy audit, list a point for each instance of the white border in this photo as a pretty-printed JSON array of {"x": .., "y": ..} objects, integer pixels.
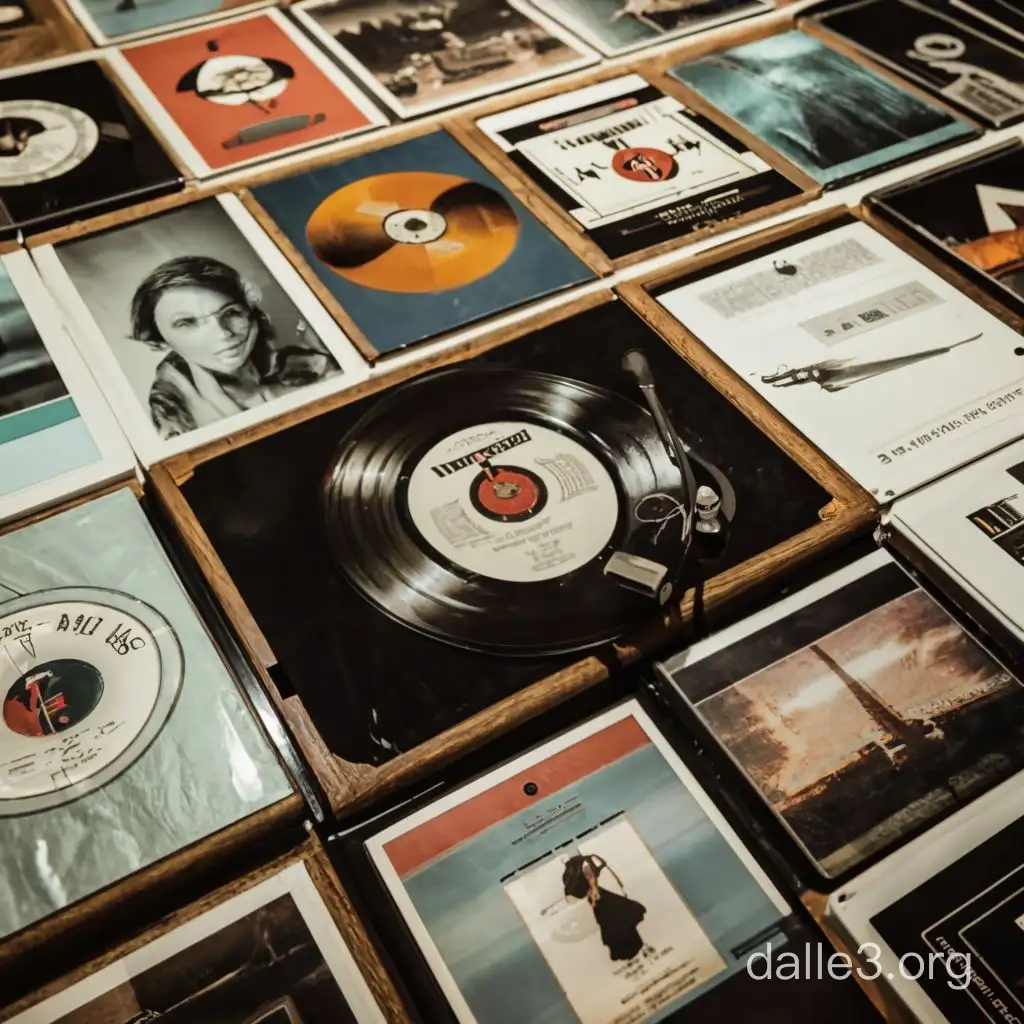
[
  {"x": 177, "y": 137},
  {"x": 115, "y": 460},
  {"x": 294, "y": 881},
  {"x": 630, "y": 709},
  {"x": 590, "y": 37},
  {"x": 100, "y": 38},
  {"x": 587, "y": 57},
  {"x": 147, "y": 443},
  {"x": 852, "y": 907}
]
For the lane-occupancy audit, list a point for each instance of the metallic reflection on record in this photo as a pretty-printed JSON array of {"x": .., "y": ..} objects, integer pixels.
[
  {"x": 88, "y": 678},
  {"x": 413, "y": 231},
  {"x": 481, "y": 506}
]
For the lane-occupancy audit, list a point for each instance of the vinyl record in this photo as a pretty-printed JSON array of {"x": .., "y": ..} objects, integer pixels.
[
  {"x": 413, "y": 231},
  {"x": 41, "y": 140},
  {"x": 481, "y": 506},
  {"x": 88, "y": 677}
]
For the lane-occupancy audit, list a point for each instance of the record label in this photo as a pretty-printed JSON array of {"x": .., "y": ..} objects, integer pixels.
[
  {"x": 40, "y": 140},
  {"x": 513, "y": 501},
  {"x": 84, "y": 685}
]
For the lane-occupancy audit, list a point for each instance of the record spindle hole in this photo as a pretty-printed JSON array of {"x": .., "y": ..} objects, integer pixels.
[
  {"x": 530, "y": 789},
  {"x": 1018, "y": 351}
]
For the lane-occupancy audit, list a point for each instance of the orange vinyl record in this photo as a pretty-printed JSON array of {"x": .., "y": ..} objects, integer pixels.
[{"x": 413, "y": 231}]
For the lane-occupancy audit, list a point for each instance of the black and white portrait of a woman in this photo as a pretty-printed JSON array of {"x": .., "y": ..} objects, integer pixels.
[{"x": 199, "y": 326}]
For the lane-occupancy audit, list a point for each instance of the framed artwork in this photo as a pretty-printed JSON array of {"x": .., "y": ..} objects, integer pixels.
[
  {"x": 229, "y": 94},
  {"x": 58, "y": 436},
  {"x": 197, "y": 326},
  {"x": 417, "y": 56}
]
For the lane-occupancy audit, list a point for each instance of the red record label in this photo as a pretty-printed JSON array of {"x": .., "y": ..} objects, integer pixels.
[{"x": 643, "y": 164}]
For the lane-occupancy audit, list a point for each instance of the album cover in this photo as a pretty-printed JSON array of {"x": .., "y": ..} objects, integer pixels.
[
  {"x": 58, "y": 437},
  {"x": 973, "y": 212},
  {"x": 418, "y": 239},
  {"x": 73, "y": 147},
  {"x": 115, "y": 701},
  {"x": 261, "y": 505},
  {"x": 836, "y": 119},
  {"x": 228, "y": 94},
  {"x": 556, "y": 875},
  {"x": 970, "y": 527},
  {"x": 951, "y": 902},
  {"x": 197, "y": 325},
  {"x": 418, "y": 56},
  {"x": 975, "y": 73},
  {"x": 1004, "y": 15},
  {"x": 858, "y": 709},
  {"x": 115, "y": 21},
  {"x": 634, "y": 167},
  {"x": 272, "y": 954},
  {"x": 618, "y": 26},
  {"x": 893, "y": 373}
]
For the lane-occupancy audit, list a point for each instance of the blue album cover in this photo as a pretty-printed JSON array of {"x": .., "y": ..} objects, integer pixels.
[
  {"x": 418, "y": 239},
  {"x": 834, "y": 118}
]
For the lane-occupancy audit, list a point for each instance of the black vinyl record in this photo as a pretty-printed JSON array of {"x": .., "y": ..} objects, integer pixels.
[
  {"x": 72, "y": 146},
  {"x": 481, "y": 506}
]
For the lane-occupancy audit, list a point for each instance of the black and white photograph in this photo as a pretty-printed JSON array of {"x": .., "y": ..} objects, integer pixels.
[
  {"x": 858, "y": 709},
  {"x": 418, "y": 56},
  {"x": 975, "y": 73},
  {"x": 271, "y": 955},
  {"x": 888, "y": 368},
  {"x": 620, "y": 26},
  {"x": 205, "y": 332}
]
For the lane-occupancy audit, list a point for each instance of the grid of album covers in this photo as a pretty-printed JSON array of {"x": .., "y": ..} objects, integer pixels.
[{"x": 511, "y": 511}]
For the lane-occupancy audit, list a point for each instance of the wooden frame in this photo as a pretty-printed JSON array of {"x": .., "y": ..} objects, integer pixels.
[
  {"x": 347, "y": 785},
  {"x": 309, "y": 854},
  {"x": 54, "y": 34}
]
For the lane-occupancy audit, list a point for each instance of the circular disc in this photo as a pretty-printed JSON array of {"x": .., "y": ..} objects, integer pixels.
[
  {"x": 413, "y": 231},
  {"x": 480, "y": 506},
  {"x": 88, "y": 677},
  {"x": 235, "y": 79},
  {"x": 40, "y": 140}
]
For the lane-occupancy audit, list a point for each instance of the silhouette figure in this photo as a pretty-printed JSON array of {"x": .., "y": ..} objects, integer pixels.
[{"x": 617, "y": 915}]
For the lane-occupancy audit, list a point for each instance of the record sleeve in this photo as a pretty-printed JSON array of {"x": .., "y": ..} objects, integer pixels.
[
  {"x": 417, "y": 240},
  {"x": 124, "y": 736},
  {"x": 558, "y": 873},
  {"x": 969, "y": 529},
  {"x": 417, "y": 56},
  {"x": 939, "y": 922},
  {"x": 836, "y": 119},
  {"x": 621, "y": 26},
  {"x": 896, "y": 375},
  {"x": 196, "y": 324},
  {"x": 634, "y": 167},
  {"x": 268, "y": 951},
  {"x": 261, "y": 506},
  {"x": 58, "y": 437},
  {"x": 977, "y": 74},
  {"x": 73, "y": 147},
  {"x": 971, "y": 213},
  {"x": 857, "y": 709},
  {"x": 1004, "y": 15},
  {"x": 230, "y": 94}
]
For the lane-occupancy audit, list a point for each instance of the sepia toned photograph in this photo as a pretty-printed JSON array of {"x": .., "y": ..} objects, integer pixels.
[
  {"x": 871, "y": 730},
  {"x": 271, "y": 955},
  {"x": 422, "y": 55},
  {"x": 199, "y": 329}
]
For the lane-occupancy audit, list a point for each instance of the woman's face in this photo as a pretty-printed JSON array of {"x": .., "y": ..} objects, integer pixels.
[{"x": 206, "y": 328}]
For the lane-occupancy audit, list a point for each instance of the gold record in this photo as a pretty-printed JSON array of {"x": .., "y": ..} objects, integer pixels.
[{"x": 413, "y": 231}]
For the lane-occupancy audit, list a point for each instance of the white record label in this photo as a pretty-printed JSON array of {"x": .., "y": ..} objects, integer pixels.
[
  {"x": 40, "y": 140},
  {"x": 85, "y": 683},
  {"x": 513, "y": 501}
]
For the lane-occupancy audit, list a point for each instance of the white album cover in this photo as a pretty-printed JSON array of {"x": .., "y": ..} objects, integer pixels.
[
  {"x": 196, "y": 325},
  {"x": 893, "y": 373},
  {"x": 972, "y": 525},
  {"x": 631, "y": 159},
  {"x": 58, "y": 436}
]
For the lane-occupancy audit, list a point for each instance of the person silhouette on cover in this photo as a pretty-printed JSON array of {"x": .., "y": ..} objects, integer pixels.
[{"x": 617, "y": 915}]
